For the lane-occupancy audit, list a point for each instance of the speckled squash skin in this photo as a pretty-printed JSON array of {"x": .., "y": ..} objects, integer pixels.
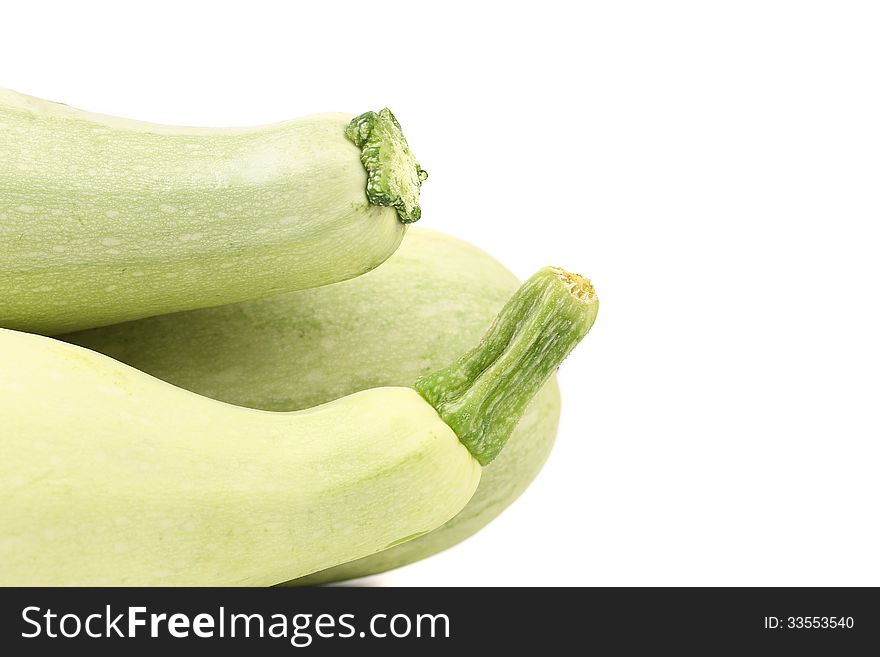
[
  {"x": 105, "y": 220},
  {"x": 419, "y": 311}
]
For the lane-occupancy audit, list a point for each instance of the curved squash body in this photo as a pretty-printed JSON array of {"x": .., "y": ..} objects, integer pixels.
[
  {"x": 111, "y": 477},
  {"x": 418, "y": 312}
]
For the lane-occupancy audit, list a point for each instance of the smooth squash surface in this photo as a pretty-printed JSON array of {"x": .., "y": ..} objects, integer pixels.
[
  {"x": 111, "y": 477},
  {"x": 419, "y": 311}
]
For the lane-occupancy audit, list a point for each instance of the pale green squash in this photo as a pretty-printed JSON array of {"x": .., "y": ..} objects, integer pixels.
[
  {"x": 104, "y": 220},
  {"x": 112, "y": 477},
  {"x": 417, "y": 312}
]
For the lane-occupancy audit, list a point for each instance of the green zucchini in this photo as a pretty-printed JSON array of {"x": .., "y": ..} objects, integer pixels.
[
  {"x": 112, "y": 477},
  {"x": 432, "y": 299},
  {"x": 104, "y": 220}
]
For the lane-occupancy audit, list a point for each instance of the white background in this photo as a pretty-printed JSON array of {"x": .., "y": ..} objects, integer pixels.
[{"x": 712, "y": 166}]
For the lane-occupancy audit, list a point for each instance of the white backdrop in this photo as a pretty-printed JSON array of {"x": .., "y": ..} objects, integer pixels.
[{"x": 713, "y": 167}]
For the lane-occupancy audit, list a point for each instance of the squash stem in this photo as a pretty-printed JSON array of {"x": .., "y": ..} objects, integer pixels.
[
  {"x": 394, "y": 177},
  {"x": 483, "y": 395}
]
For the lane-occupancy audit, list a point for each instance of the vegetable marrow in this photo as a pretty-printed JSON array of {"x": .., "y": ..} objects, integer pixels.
[
  {"x": 112, "y": 477},
  {"x": 104, "y": 220},
  {"x": 414, "y": 314}
]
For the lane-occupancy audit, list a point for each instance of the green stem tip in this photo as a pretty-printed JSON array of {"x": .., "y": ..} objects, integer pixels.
[
  {"x": 483, "y": 395},
  {"x": 394, "y": 177}
]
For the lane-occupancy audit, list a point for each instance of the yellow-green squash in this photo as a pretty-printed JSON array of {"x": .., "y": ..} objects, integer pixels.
[
  {"x": 110, "y": 476},
  {"x": 415, "y": 313}
]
